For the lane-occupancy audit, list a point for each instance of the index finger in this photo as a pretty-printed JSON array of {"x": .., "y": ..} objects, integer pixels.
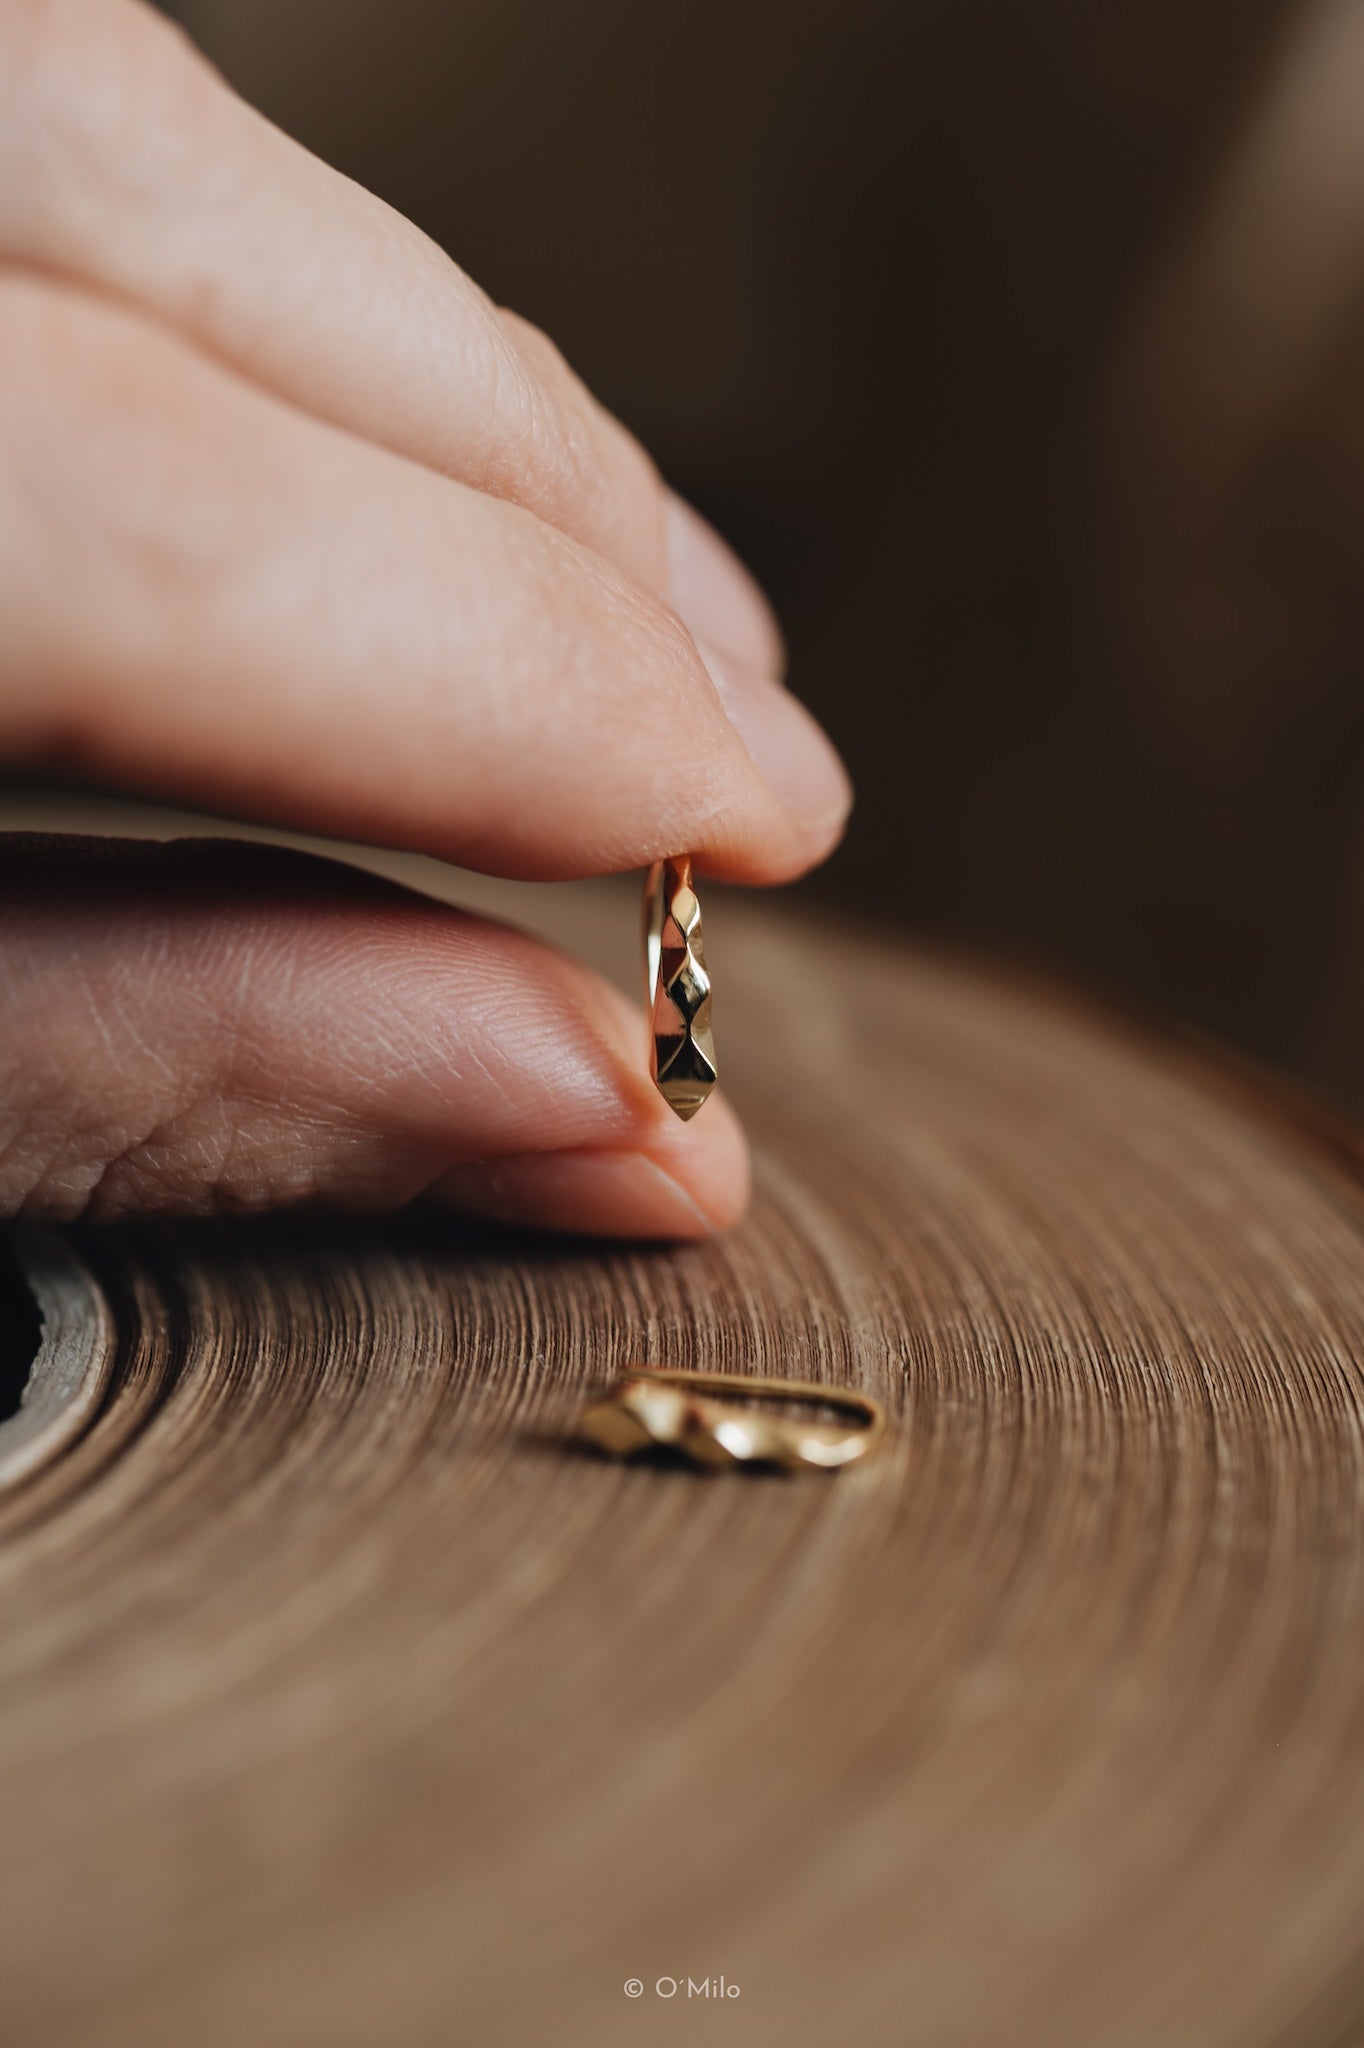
[
  {"x": 127, "y": 163},
  {"x": 207, "y": 593}
]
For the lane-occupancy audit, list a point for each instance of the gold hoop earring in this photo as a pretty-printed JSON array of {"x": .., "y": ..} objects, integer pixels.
[
  {"x": 677, "y": 989},
  {"x": 675, "y": 1410}
]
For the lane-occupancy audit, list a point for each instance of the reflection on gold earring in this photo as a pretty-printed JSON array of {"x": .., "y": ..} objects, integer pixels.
[
  {"x": 677, "y": 989},
  {"x": 648, "y": 1409}
]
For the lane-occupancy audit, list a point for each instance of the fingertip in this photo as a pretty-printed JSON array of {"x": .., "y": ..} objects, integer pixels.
[
  {"x": 708, "y": 1158},
  {"x": 791, "y": 751}
]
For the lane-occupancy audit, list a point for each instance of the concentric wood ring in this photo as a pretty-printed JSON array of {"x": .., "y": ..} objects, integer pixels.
[{"x": 343, "y": 1700}]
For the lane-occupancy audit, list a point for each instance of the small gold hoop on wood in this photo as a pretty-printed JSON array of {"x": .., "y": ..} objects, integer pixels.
[{"x": 648, "y": 1409}]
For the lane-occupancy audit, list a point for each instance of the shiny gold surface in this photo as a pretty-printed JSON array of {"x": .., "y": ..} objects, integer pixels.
[
  {"x": 676, "y": 1410},
  {"x": 677, "y": 989}
]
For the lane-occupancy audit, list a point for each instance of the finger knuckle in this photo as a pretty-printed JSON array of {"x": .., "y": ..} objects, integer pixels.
[
  {"x": 61, "y": 394},
  {"x": 548, "y": 444},
  {"x": 95, "y": 96},
  {"x": 584, "y": 454},
  {"x": 647, "y": 640},
  {"x": 92, "y": 447},
  {"x": 38, "y": 369}
]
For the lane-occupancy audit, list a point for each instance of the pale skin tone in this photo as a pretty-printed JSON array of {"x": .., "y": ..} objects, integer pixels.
[{"x": 294, "y": 523}]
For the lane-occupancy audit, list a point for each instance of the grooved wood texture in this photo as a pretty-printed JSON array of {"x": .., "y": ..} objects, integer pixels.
[{"x": 343, "y": 1702}]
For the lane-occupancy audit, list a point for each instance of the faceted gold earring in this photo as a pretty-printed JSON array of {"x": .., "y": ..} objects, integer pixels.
[{"x": 677, "y": 989}]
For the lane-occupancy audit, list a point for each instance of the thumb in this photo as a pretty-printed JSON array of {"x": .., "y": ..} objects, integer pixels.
[{"x": 204, "y": 1026}]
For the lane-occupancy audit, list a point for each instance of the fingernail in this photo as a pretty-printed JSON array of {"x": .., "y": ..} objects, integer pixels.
[
  {"x": 790, "y": 751},
  {"x": 714, "y": 595},
  {"x": 598, "y": 1194}
]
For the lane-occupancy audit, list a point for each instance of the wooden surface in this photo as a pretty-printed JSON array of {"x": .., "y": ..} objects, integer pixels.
[{"x": 343, "y": 1702}]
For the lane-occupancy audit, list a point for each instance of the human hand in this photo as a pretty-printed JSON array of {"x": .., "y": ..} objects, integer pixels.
[{"x": 295, "y": 523}]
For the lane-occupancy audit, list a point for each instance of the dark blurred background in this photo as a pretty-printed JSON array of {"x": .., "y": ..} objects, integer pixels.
[{"x": 1019, "y": 344}]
